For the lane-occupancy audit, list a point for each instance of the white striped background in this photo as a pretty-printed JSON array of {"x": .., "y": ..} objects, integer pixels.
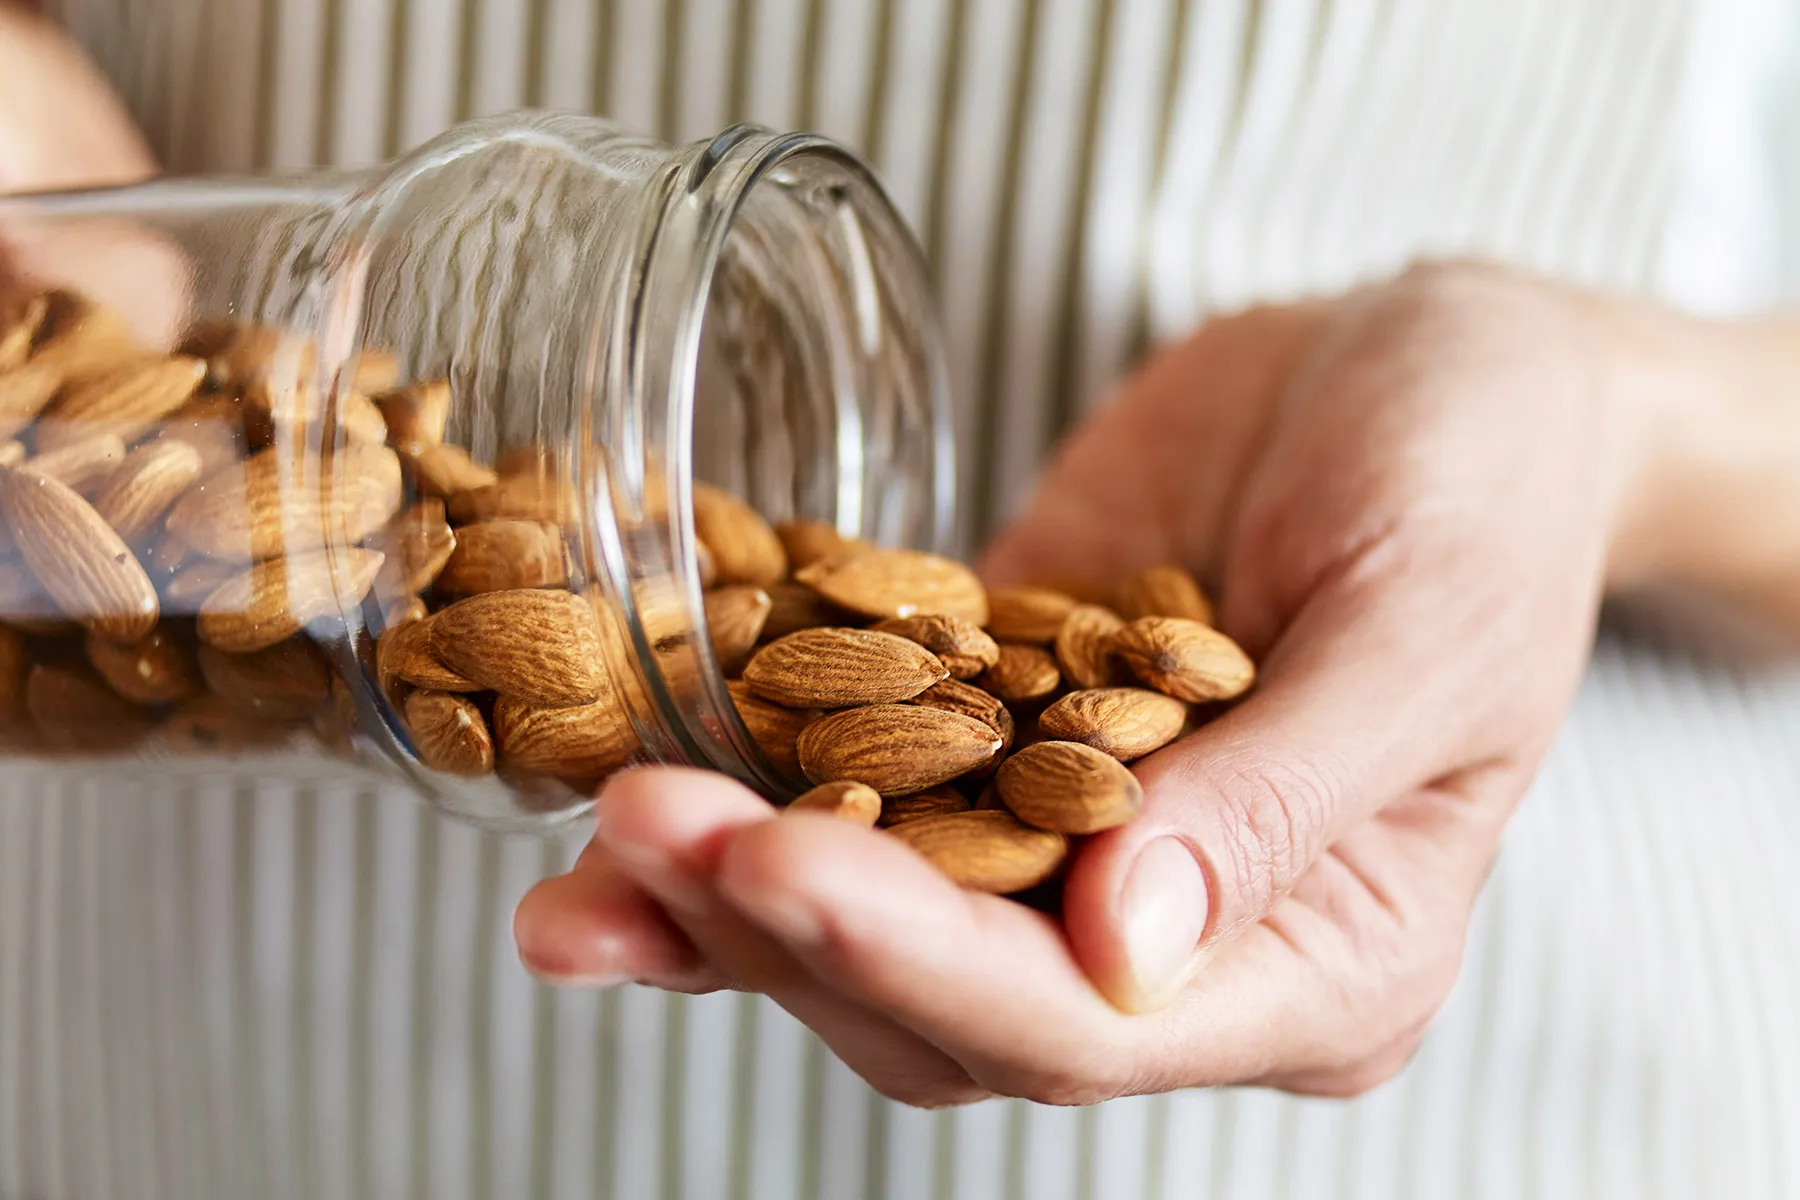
[{"x": 278, "y": 983}]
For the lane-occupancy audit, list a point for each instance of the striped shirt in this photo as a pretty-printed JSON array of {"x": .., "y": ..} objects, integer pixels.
[{"x": 293, "y": 982}]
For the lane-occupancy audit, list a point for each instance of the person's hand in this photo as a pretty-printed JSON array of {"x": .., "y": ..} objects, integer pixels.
[
  {"x": 1411, "y": 501},
  {"x": 61, "y": 125}
]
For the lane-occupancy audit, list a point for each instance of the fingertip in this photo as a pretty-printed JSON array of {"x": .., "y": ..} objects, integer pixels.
[
  {"x": 661, "y": 810},
  {"x": 592, "y": 928}
]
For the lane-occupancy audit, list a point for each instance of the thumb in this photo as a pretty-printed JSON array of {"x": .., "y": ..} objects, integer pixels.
[
  {"x": 61, "y": 125},
  {"x": 1345, "y": 718}
]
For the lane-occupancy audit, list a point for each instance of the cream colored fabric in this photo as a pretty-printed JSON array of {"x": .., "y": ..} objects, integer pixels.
[{"x": 296, "y": 985}]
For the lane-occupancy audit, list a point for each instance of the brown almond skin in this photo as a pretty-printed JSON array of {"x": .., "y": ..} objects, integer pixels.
[
  {"x": 706, "y": 567},
  {"x": 844, "y": 799},
  {"x": 72, "y": 706},
  {"x": 261, "y": 507},
  {"x": 276, "y": 599},
  {"x": 418, "y": 543},
  {"x": 1069, "y": 788},
  {"x": 145, "y": 484},
  {"x": 899, "y": 583},
  {"x": 990, "y": 851},
  {"x": 494, "y": 556},
  {"x": 78, "y": 559},
  {"x": 835, "y": 668},
  {"x": 965, "y": 649},
  {"x": 538, "y": 646},
  {"x": 735, "y": 616},
  {"x": 775, "y": 729},
  {"x": 286, "y": 681},
  {"x": 445, "y": 470},
  {"x": 744, "y": 547},
  {"x": 417, "y": 414},
  {"x": 585, "y": 741},
  {"x": 1185, "y": 659},
  {"x": 1126, "y": 723},
  {"x": 1164, "y": 591},
  {"x": 449, "y": 733},
  {"x": 15, "y": 660},
  {"x": 794, "y": 606},
  {"x": 158, "y": 668},
  {"x": 1084, "y": 648},
  {"x": 931, "y": 802},
  {"x": 806, "y": 542},
  {"x": 84, "y": 465},
  {"x": 404, "y": 651},
  {"x": 24, "y": 391},
  {"x": 526, "y": 496},
  {"x": 1027, "y": 614},
  {"x": 1021, "y": 673},
  {"x": 19, "y": 324},
  {"x": 189, "y": 586},
  {"x": 895, "y": 748},
  {"x": 123, "y": 403},
  {"x": 210, "y": 724}
]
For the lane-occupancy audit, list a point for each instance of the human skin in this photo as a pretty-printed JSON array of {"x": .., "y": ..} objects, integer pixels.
[{"x": 1412, "y": 500}]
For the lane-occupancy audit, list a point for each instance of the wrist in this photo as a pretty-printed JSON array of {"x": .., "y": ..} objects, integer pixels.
[{"x": 1711, "y": 411}]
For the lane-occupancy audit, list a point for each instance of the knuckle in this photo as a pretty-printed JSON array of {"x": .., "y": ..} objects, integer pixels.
[{"x": 1274, "y": 821}]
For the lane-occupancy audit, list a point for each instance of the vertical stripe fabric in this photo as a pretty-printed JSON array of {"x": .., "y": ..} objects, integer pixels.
[{"x": 288, "y": 982}]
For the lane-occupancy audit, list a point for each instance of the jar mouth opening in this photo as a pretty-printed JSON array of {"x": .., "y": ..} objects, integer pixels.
[{"x": 784, "y": 340}]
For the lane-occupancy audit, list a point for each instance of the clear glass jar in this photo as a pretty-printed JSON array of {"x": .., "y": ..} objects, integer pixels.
[{"x": 605, "y": 321}]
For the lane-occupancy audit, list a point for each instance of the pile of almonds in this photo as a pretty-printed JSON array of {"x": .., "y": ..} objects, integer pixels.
[
  {"x": 983, "y": 728},
  {"x": 183, "y": 536}
]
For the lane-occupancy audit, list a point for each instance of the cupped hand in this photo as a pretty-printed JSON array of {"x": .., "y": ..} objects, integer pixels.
[{"x": 1409, "y": 500}]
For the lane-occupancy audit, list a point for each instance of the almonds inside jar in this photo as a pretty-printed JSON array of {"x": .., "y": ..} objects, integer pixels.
[{"x": 184, "y": 536}]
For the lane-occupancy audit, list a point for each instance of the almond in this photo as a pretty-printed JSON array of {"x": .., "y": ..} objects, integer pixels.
[
  {"x": 539, "y": 646},
  {"x": 275, "y": 600},
  {"x": 143, "y": 487},
  {"x": 242, "y": 353},
  {"x": 267, "y": 506},
  {"x": 417, "y": 414},
  {"x": 493, "y": 556},
  {"x": 188, "y": 588},
  {"x": 706, "y": 567},
  {"x": 81, "y": 563},
  {"x": 1069, "y": 788},
  {"x": 1126, "y": 723},
  {"x": 744, "y": 547},
  {"x": 734, "y": 617},
  {"x": 418, "y": 544},
  {"x": 158, "y": 668},
  {"x": 444, "y": 470},
  {"x": 1084, "y": 647},
  {"x": 806, "y": 542},
  {"x": 964, "y": 649},
  {"x": 986, "y": 851},
  {"x": 15, "y": 661},
  {"x": 953, "y": 695},
  {"x": 898, "y": 583},
  {"x": 895, "y": 748},
  {"x": 1027, "y": 614},
  {"x": 404, "y": 651},
  {"x": 584, "y": 742},
  {"x": 794, "y": 606},
  {"x": 1021, "y": 673},
  {"x": 122, "y": 403},
  {"x": 84, "y": 340},
  {"x": 72, "y": 705},
  {"x": 844, "y": 799},
  {"x": 1185, "y": 659},
  {"x": 1164, "y": 591},
  {"x": 84, "y": 466},
  {"x": 537, "y": 496},
  {"x": 19, "y": 325},
  {"x": 832, "y": 668},
  {"x": 359, "y": 420},
  {"x": 212, "y": 724},
  {"x": 211, "y": 424},
  {"x": 287, "y": 681},
  {"x": 24, "y": 391},
  {"x": 775, "y": 729},
  {"x": 931, "y": 802},
  {"x": 449, "y": 733}
]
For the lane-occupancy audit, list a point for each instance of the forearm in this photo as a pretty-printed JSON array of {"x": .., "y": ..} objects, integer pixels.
[{"x": 1714, "y": 407}]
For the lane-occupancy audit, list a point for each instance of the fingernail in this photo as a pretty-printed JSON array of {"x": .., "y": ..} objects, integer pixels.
[
  {"x": 786, "y": 917},
  {"x": 558, "y": 970},
  {"x": 1164, "y": 913}
]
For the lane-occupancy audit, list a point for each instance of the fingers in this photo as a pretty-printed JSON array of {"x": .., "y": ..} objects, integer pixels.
[
  {"x": 593, "y": 927},
  {"x": 1341, "y": 723},
  {"x": 60, "y": 123},
  {"x": 672, "y": 827}
]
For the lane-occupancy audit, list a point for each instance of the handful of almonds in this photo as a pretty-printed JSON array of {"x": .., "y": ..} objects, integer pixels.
[
  {"x": 984, "y": 729},
  {"x": 182, "y": 534}
]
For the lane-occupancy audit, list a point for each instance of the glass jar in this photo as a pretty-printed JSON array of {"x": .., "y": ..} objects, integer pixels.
[{"x": 282, "y": 449}]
